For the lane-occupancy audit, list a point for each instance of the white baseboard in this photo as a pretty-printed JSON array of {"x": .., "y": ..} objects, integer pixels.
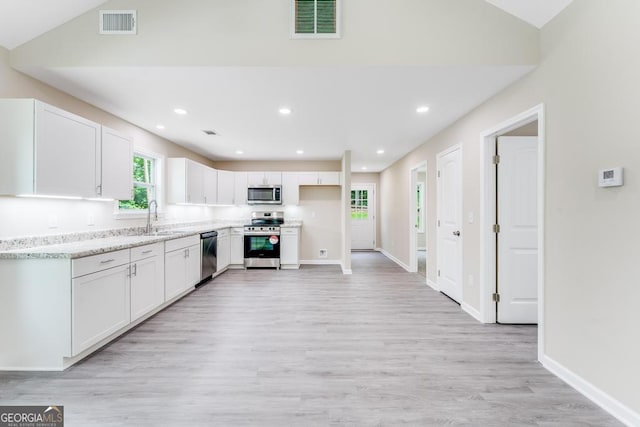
[
  {"x": 622, "y": 412},
  {"x": 471, "y": 311},
  {"x": 433, "y": 285},
  {"x": 321, "y": 261},
  {"x": 394, "y": 259},
  {"x": 346, "y": 270}
]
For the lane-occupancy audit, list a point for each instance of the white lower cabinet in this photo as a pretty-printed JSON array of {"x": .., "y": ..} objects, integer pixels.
[
  {"x": 147, "y": 279},
  {"x": 237, "y": 247},
  {"x": 290, "y": 248},
  {"x": 100, "y": 306},
  {"x": 224, "y": 250},
  {"x": 181, "y": 265}
]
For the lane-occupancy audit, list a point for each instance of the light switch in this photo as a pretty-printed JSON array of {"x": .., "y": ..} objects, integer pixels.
[
  {"x": 612, "y": 177},
  {"x": 471, "y": 218},
  {"x": 53, "y": 221}
]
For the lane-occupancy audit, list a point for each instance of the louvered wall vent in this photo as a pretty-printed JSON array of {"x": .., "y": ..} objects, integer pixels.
[
  {"x": 118, "y": 22},
  {"x": 210, "y": 132}
]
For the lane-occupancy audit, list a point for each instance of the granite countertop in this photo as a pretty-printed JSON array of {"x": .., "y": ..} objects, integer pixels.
[{"x": 96, "y": 246}]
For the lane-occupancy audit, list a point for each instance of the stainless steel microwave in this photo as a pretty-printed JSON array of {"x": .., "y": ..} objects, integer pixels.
[{"x": 264, "y": 195}]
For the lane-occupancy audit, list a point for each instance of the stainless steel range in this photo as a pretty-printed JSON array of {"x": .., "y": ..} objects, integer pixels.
[{"x": 262, "y": 240}]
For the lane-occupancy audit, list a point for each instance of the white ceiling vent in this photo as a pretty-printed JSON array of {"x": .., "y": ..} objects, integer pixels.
[{"x": 118, "y": 22}]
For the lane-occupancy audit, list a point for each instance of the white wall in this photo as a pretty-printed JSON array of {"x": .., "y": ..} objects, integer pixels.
[{"x": 588, "y": 81}]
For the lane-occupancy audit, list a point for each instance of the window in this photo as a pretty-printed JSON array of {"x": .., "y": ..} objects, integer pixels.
[
  {"x": 359, "y": 204},
  {"x": 315, "y": 18},
  {"x": 144, "y": 183}
]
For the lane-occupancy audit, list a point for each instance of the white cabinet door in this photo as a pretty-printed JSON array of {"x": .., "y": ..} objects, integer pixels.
[
  {"x": 147, "y": 285},
  {"x": 175, "y": 267},
  {"x": 224, "y": 252},
  {"x": 256, "y": 178},
  {"x": 289, "y": 247},
  {"x": 290, "y": 190},
  {"x": 237, "y": 247},
  {"x": 273, "y": 178},
  {"x": 195, "y": 182},
  {"x": 193, "y": 267},
  {"x": 307, "y": 178},
  {"x": 240, "y": 190},
  {"x": 67, "y": 153},
  {"x": 100, "y": 306},
  {"x": 226, "y": 187},
  {"x": 117, "y": 165},
  {"x": 210, "y": 190},
  {"x": 329, "y": 178}
]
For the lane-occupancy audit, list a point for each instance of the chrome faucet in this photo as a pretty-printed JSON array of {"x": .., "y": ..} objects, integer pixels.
[{"x": 155, "y": 214}]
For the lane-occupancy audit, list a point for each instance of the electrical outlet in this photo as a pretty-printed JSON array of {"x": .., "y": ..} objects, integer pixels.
[
  {"x": 91, "y": 220},
  {"x": 470, "y": 280},
  {"x": 53, "y": 221},
  {"x": 323, "y": 253},
  {"x": 471, "y": 218}
]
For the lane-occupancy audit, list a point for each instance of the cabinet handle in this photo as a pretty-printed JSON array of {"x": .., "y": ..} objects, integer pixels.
[
  {"x": 129, "y": 271},
  {"x": 147, "y": 252},
  {"x": 107, "y": 261},
  {"x": 186, "y": 253},
  {"x": 99, "y": 190},
  {"x": 135, "y": 270}
]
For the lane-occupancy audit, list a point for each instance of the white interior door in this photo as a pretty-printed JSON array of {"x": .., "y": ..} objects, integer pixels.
[
  {"x": 363, "y": 217},
  {"x": 518, "y": 237},
  {"x": 450, "y": 223}
]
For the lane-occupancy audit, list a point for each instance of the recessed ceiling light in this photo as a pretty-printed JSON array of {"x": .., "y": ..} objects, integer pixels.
[
  {"x": 161, "y": 127},
  {"x": 299, "y": 152},
  {"x": 180, "y": 111},
  {"x": 380, "y": 151},
  {"x": 364, "y": 168},
  {"x": 285, "y": 111},
  {"x": 422, "y": 109},
  {"x": 239, "y": 152}
]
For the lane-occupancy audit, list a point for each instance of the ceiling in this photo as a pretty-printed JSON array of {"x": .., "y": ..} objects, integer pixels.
[{"x": 364, "y": 109}]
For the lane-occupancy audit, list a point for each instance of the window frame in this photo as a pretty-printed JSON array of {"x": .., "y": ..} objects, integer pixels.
[
  {"x": 158, "y": 177},
  {"x": 317, "y": 36}
]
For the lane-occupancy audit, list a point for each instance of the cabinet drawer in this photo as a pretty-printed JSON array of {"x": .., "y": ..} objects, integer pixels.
[
  {"x": 183, "y": 242},
  {"x": 293, "y": 230},
  {"x": 223, "y": 233},
  {"x": 237, "y": 231},
  {"x": 147, "y": 251},
  {"x": 92, "y": 264}
]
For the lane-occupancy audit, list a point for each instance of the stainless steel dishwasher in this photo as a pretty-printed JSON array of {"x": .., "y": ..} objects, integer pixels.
[{"x": 209, "y": 264}]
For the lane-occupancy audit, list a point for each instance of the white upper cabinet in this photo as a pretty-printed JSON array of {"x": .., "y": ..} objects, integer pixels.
[
  {"x": 210, "y": 185},
  {"x": 226, "y": 187},
  {"x": 185, "y": 181},
  {"x": 47, "y": 151},
  {"x": 264, "y": 178},
  {"x": 117, "y": 165},
  {"x": 290, "y": 190},
  {"x": 318, "y": 178},
  {"x": 240, "y": 191},
  {"x": 307, "y": 178}
]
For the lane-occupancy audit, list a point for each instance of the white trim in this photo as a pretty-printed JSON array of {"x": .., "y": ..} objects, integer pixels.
[
  {"x": 346, "y": 270},
  {"x": 622, "y": 412},
  {"x": 488, "y": 214},
  {"x": 321, "y": 262},
  {"x": 439, "y": 156},
  {"x": 433, "y": 285},
  {"x": 396, "y": 260},
  {"x": 471, "y": 311}
]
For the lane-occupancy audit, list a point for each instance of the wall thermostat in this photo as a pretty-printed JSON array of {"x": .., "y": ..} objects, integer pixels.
[{"x": 612, "y": 177}]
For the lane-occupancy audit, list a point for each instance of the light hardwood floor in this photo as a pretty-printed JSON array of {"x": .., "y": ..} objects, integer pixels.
[{"x": 312, "y": 347}]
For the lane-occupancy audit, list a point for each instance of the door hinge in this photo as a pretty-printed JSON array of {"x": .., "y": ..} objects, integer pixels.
[
  {"x": 496, "y": 159},
  {"x": 496, "y": 297},
  {"x": 496, "y": 228},
  {"x": 438, "y": 223},
  {"x": 438, "y": 174},
  {"x": 438, "y": 273}
]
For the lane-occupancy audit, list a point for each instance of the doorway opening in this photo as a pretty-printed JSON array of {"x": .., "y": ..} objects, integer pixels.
[
  {"x": 418, "y": 220},
  {"x": 512, "y": 222}
]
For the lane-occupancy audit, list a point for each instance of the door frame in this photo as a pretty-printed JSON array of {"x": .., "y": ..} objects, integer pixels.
[
  {"x": 439, "y": 155},
  {"x": 375, "y": 211},
  {"x": 413, "y": 241},
  {"x": 488, "y": 214}
]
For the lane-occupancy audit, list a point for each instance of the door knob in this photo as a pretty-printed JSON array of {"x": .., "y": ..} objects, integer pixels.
[{"x": 456, "y": 233}]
